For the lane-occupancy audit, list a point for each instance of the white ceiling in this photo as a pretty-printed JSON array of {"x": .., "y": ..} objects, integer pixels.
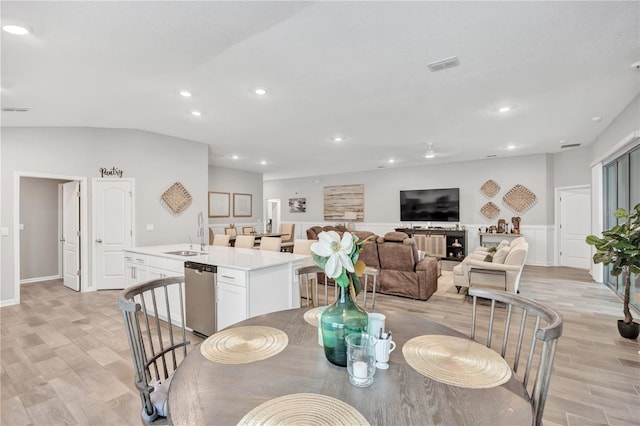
[{"x": 357, "y": 69}]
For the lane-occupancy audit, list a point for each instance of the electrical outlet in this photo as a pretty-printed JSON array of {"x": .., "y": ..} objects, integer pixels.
[
  {"x": 150, "y": 227},
  {"x": 4, "y": 231},
  {"x": 22, "y": 227}
]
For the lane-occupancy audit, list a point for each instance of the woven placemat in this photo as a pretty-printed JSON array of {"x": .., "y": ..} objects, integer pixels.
[
  {"x": 304, "y": 409},
  {"x": 456, "y": 361},
  {"x": 311, "y": 316},
  {"x": 242, "y": 345}
]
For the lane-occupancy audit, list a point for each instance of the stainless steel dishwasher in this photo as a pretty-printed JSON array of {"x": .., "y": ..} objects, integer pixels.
[{"x": 200, "y": 297}]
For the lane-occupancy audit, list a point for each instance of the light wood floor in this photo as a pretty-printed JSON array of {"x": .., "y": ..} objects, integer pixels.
[{"x": 65, "y": 358}]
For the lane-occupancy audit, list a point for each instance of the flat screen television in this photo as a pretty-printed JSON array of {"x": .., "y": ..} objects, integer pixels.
[{"x": 430, "y": 205}]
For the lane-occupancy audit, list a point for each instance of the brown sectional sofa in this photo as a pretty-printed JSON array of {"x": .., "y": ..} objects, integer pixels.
[{"x": 396, "y": 257}]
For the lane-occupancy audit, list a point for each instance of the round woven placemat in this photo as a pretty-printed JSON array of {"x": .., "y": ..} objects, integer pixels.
[
  {"x": 242, "y": 345},
  {"x": 303, "y": 409},
  {"x": 456, "y": 361},
  {"x": 311, "y": 316}
]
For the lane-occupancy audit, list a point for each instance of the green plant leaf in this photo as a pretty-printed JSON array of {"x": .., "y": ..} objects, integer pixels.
[{"x": 621, "y": 213}]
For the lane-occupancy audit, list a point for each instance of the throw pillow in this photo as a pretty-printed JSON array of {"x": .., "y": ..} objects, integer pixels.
[
  {"x": 501, "y": 255},
  {"x": 488, "y": 258},
  {"x": 492, "y": 249},
  {"x": 503, "y": 243}
]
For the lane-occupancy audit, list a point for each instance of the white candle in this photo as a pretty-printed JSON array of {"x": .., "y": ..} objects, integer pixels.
[{"x": 360, "y": 370}]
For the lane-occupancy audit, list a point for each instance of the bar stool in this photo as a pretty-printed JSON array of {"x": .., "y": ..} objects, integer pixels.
[
  {"x": 311, "y": 270},
  {"x": 369, "y": 271}
]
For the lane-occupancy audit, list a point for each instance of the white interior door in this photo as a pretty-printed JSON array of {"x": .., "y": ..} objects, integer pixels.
[
  {"x": 113, "y": 231},
  {"x": 273, "y": 214},
  {"x": 71, "y": 234},
  {"x": 575, "y": 224}
]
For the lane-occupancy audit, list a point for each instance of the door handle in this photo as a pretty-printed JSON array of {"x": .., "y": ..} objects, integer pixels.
[
  {"x": 99, "y": 241},
  {"x": 62, "y": 240}
]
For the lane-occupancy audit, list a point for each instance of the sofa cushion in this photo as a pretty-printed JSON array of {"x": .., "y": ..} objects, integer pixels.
[
  {"x": 501, "y": 255},
  {"x": 502, "y": 244},
  {"x": 394, "y": 256}
]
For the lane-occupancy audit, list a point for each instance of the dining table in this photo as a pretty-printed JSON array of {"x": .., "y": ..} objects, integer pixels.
[{"x": 219, "y": 383}]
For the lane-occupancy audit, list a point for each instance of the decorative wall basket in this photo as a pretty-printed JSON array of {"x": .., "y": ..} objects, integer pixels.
[
  {"x": 490, "y": 210},
  {"x": 490, "y": 188},
  {"x": 176, "y": 198},
  {"x": 519, "y": 199}
]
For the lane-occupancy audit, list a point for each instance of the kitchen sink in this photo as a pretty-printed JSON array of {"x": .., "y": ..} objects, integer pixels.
[{"x": 184, "y": 253}]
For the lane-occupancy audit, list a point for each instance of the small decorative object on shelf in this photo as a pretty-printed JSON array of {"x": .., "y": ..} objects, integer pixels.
[
  {"x": 339, "y": 259},
  {"x": 456, "y": 243},
  {"x": 501, "y": 224},
  {"x": 516, "y": 225}
]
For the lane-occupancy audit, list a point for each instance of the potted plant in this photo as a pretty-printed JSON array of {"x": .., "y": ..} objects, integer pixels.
[{"x": 620, "y": 247}]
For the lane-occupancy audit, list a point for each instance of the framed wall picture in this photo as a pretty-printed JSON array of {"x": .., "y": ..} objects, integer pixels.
[
  {"x": 241, "y": 205},
  {"x": 297, "y": 205},
  {"x": 219, "y": 204}
]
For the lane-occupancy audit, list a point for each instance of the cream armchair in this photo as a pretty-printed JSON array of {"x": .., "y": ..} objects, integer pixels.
[{"x": 502, "y": 273}]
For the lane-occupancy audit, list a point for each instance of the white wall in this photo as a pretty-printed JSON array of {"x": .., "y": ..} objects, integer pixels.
[
  {"x": 382, "y": 189},
  {"x": 242, "y": 182},
  {"x": 155, "y": 162},
  {"x": 571, "y": 167},
  {"x": 39, "y": 241},
  {"x": 382, "y": 196},
  {"x": 627, "y": 122}
]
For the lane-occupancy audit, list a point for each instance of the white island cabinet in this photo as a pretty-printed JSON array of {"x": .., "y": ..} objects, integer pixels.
[{"x": 248, "y": 282}]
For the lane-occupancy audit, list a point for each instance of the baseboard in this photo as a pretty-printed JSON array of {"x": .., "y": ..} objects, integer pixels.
[
  {"x": 38, "y": 279},
  {"x": 9, "y": 302}
]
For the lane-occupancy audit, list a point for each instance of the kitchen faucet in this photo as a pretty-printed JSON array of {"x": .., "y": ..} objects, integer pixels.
[{"x": 201, "y": 230}]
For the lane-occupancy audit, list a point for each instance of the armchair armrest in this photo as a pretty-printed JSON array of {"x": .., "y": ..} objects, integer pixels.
[{"x": 424, "y": 264}]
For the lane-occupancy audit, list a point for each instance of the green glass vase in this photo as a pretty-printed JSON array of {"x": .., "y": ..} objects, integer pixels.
[{"x": 339, "y": 320}]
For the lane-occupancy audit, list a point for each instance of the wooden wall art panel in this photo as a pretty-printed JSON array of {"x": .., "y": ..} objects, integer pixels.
[{"x": 341, "y": 199}]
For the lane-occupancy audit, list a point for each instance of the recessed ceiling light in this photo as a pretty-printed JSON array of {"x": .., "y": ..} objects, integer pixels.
[
  {"x": 16, "y": 29},
  {"x": 264, "y": 163},
  {"x": 562, "y": 141},
  {"x": 338, "y": 139},
  {"x": 505, "y": 108},
  {"x": 196, "y": 113},
  {"x": 260, "y": 91},
  {"x": 596, "y": 118},
  {"x": 511, "y": 146},
  {"x": 185, "y": 93},
  {"x": 235, "y": 157},
  {"x": 391, "y": 160}
]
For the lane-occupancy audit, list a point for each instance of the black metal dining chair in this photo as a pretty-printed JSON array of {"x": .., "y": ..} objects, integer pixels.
[
  {"x": 157, "y": 345},
  {"x": 537, "y": 333}
]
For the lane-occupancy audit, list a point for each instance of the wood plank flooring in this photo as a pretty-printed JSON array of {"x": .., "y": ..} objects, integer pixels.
[{"x": 65, "y": 358}]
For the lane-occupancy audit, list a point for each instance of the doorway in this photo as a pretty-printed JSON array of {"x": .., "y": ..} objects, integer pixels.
[
  {"x": 273, "y": 214},
  {"x": 573, "y": 214},
  {"x": 82, "y": 272}
]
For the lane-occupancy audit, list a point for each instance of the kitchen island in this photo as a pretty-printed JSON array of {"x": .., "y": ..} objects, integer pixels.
[{"x": 248, "y": 282}]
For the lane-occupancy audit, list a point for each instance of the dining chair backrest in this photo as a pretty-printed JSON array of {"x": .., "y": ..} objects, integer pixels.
[
  {"x": 157, "y": 346},
  {"x": 245, "y": 241},
  {"x": 270, "y": 243},
  {"x": 232, "y": 232},
  {"x": 248, "y": 230},
  {"x": 302, "y": 246},
  {"x": 211, "y": 235},
  {"x": 287, "y": 230},
  {"x": 221, "y": 240},
  {"x": 536, "y": 333}
]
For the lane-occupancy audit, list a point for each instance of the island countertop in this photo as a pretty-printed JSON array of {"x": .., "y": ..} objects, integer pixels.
[{"x": 231, "y": 257}]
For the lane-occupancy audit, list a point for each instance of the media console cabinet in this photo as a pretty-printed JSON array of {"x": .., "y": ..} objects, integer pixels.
[{"x": 455, "y": 240}]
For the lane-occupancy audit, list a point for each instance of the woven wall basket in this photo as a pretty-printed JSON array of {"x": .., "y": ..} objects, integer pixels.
[
  {"x": 519, "y": 199},
  {"x": 177, "y": 198}
]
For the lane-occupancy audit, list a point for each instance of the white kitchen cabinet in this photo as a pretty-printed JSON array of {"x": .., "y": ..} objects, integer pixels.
[
  {"x": 135, "y": 266},
  {"x": 231, "y": 301}
]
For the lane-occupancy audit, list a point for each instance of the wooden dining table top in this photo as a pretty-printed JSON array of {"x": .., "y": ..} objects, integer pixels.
[{"x": 206, "y": 392}]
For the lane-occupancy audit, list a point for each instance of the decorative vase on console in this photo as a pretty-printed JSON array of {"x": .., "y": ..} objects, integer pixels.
[{"x": 339, "y": 259}]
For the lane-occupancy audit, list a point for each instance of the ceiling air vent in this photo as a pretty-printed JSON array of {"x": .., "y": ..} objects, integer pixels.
[
  {"x": 16, "y": 109},
  {"x": 570, "y": 145},
  {"x": 444, "y": 64}
]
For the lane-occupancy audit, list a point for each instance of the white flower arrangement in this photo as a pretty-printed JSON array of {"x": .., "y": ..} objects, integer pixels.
[{"x": 339, "y": 258}]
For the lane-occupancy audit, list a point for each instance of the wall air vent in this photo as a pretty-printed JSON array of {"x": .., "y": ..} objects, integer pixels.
[
  {"x": 570, "y": 145},
  {"x": 444, "y": 64},
  {"x": 16, "y": 109},
  {"x": 491, "y": 155}
]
